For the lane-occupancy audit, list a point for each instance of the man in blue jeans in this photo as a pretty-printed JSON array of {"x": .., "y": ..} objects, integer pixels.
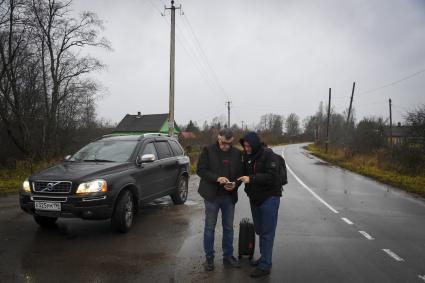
[
  {"x": 219, "y": 166},
  {"x": 264, "y": 191}
]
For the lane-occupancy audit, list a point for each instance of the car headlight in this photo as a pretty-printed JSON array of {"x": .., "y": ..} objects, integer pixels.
[
  {"x": 95, "y": 186},
  {"x": 26, "y": 186}
]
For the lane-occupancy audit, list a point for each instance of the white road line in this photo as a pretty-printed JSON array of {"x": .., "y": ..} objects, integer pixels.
[
  {"x": 310, "y": 190},
  {"x": 422, "y": 277},
  {"x": 346, "y": 220},
  {"x": 366, "y": 235},
  {"x": 393, "y": 255}
]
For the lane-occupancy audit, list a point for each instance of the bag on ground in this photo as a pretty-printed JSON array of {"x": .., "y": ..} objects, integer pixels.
[{"x": 246, "y": 238}]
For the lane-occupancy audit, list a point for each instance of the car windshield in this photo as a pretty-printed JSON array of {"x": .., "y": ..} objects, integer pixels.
[{"x": 105, "y": 151}]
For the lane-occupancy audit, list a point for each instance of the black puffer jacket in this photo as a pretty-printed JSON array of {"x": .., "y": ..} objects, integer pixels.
[{"x": 261, "y": 167}]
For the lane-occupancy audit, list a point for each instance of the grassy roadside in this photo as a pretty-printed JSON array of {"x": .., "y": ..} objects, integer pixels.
[
  {"x": 368, "y": 165},
  {"x": 11, "y": 179}
]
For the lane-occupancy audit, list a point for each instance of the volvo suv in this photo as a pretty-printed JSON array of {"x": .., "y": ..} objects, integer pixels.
[{"x": 109, "y": 178}]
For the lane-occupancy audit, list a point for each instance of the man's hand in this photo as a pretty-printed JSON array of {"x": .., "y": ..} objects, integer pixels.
[
  {"x": 230, "y": 186},
  {"x": 222, "y": 180},
  {"x": 244, "y": 179}
]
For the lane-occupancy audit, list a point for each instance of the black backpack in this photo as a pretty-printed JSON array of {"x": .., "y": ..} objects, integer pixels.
[{"x": 282, "y": 175}]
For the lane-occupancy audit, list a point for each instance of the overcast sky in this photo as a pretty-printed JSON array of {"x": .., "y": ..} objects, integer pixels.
[{"x": 264, "y": 56}]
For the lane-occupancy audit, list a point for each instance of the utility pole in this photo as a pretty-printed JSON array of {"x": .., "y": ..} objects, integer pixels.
[
  {"x": 391, "y": 125},
  {"x": 228, "y": 113},
  {"x": 172, "y": 61},
  {"x": 328, "y": 120},
  {"x": 347, "y": 124},
  {"x": 351, "y": 103},
  {"x": 242, "y": 125}
]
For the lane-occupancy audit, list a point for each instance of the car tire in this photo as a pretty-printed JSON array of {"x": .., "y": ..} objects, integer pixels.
[
  {"x": 45, "y": 222},
  {"x": 122, "y": 218},
  {"x": 180, "y": 195}
]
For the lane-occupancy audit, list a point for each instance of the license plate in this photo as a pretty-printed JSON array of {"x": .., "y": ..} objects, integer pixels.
[{"x": 50, "y": 206}]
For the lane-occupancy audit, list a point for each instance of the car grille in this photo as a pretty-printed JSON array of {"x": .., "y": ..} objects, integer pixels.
[
  {"x": 52, "y": 187},
  {"x": 49, "y": 198}
]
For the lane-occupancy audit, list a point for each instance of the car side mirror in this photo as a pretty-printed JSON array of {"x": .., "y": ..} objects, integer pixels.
[
  {"x": 67, "y": 157},
  {"x": 146, "y": 158}
]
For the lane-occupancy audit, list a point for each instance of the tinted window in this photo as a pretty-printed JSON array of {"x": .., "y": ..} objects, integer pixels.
[
  {"x": 150, "y": 149},
  {"x": 163, "y": 150},
  {"x": 176, "y": 148}
]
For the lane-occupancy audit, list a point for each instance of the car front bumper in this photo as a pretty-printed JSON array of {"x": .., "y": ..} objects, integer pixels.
[{"x": 86, "y": 207}]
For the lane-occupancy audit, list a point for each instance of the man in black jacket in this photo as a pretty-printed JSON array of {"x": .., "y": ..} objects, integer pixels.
[
  {"x": 264, "y": 191},
  {"x": 219, "y": 166}
]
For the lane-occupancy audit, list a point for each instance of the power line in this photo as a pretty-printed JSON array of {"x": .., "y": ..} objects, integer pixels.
[
  {"x": 200, "y": 58},
  {"x": 186, "y": 20},
  {"x": 197, "y": 63},
  {"x": 195, "y": 57},
  {"x": 394, "y": 82}
]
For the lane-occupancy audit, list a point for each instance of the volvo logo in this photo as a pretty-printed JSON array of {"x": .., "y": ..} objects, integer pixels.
[{"x": 49, "y": 187}]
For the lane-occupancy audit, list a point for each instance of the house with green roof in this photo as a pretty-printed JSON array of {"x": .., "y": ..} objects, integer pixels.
[{"x": 143, "y": 124}]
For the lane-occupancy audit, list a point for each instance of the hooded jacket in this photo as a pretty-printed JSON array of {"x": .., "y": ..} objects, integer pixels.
[{"x": 261, "y": 167}]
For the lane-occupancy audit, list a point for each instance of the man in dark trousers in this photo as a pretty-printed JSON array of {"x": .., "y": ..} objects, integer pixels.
[
  {"x": 264, "y": 192},
  {"x": 219, "y": 166}
]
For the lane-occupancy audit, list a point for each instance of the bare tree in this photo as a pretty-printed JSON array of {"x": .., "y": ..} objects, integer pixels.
[
  {"x": 45, "y": 89},
  {"x": 293, "y": 125},
  {"x": 272, "y": 123},
  {"x": 416, "y": 120},
  {"x": 60, "y": 40},
  {"x": 18, "y": 75}
]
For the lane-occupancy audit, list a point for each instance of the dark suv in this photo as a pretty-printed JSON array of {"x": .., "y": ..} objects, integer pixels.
[{"x": 109, "y": 178}]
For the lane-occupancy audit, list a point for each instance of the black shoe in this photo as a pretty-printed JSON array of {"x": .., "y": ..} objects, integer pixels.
[
  {"x": 254, "y": 263},
  {"x": 231, "y": 261},
  {"x": 258, "y": 272},
  {"x": 209, "y": 264}
]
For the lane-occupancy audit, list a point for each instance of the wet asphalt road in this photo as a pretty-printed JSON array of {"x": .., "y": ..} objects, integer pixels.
[{"x": 314, "y": 243}]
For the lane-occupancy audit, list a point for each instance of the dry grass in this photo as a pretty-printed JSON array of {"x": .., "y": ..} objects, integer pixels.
[
  {"x": 368, "y": 165},
  {"x": 11, "y": 179}
]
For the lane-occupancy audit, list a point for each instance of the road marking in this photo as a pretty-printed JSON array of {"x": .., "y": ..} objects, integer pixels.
[
  {"x": 366, "y": 235},
  {"x": 422, "y": 277},
  {"x": 310, "y": 190},
  {"x": 393, "y": 255},
  {"x": 346, "y": 220}
]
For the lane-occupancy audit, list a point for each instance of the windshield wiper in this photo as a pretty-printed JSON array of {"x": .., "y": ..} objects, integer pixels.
[{"x": 97, "y": 160}]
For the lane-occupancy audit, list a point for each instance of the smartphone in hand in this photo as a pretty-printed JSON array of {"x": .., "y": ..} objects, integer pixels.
[{"x": 229, "y": 186}]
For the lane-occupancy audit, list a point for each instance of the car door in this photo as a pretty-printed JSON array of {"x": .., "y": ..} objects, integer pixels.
[
  {"x": 168, "y": 164},
  {"x": 149, "y": 176}
]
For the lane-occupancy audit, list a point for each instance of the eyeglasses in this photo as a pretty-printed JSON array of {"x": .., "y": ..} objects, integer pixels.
[{"x": 224, "y": 142}]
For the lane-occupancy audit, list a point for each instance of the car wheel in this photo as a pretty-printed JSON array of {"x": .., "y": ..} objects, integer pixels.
[
  {"x": 45, "y": 222},
  {"x": 180, "y": 195},
  {"x": 122, "y": 218}
]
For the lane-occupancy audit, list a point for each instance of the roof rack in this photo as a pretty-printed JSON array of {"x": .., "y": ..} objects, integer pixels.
[
  {"x": 120, "y": 134},
  {"x": 155, "y": 134}
]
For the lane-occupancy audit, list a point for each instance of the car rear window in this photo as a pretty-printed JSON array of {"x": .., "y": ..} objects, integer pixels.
[
  {"x": 163, "y": 150},
  {"x": 176, "y": 148}
]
